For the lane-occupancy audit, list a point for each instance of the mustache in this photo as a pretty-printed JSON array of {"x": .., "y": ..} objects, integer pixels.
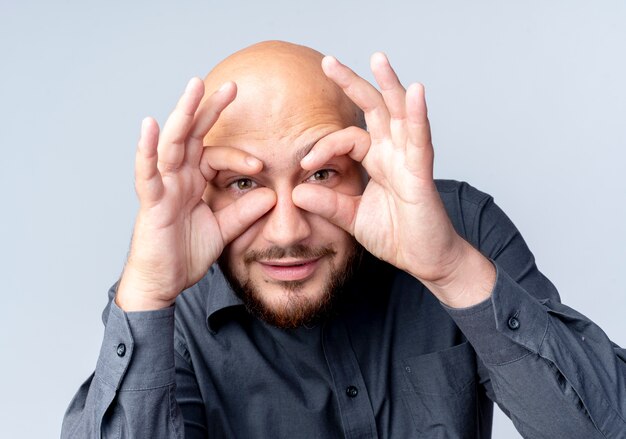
[{"x": 295, "y": 251}]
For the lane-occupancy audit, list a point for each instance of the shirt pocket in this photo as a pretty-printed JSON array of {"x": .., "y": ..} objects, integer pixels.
[{"x": 440, "y": 392}]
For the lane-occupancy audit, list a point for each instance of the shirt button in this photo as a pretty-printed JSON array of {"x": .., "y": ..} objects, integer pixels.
[
  {"x": 352, "y": 391},
  {"x": 121, "y": 350},
  {"x": 513, "y": 323}
]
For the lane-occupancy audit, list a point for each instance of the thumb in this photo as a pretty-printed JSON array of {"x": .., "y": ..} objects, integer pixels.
[{"x": 340, "y": 209}]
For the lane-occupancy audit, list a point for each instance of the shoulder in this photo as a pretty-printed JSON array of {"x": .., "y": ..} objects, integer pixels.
[
  {"x": 451, "y": 190},
  {"x": 464, "y": 204}
]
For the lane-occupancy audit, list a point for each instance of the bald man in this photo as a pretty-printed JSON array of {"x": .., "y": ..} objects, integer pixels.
[{"x": 294, "y": 274}]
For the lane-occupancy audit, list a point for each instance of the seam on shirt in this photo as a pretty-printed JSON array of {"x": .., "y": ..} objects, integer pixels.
[
  {"x": 107, "y": 384},
  {"x": 501, "y": 248},
  {"x": 482, "y": 201},
  {"x": 142, "y": 318},
  {"x": 599, "y": 392},
  {"x": 131, "y": 349},
  {"x": 172, "y": 412},
  {"x": 119, "y": 428},
  {"x": 181, "y": 349},
  {"x": 78, "y": 424},
  {"x": 552, "y": 366},
  {"x": 136, "y": 389},
  {"x": 480, "y": 208},
  {"x": 464, "y": 313},
  {"x": 545, "y": 331},
  {"x": 99, "y": 417},
  {"x": 512, "y": 361},
  {"x": 458, "y": 392},
  {"x": 372, "y": 433}
]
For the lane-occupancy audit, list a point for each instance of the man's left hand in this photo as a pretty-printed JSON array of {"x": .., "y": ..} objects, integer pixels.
[{"x": 400, "y": 217}]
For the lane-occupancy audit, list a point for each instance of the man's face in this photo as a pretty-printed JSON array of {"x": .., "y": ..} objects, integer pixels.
[{"x": 288, "y": 265}]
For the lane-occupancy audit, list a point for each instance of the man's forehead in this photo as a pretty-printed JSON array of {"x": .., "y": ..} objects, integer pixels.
[
  {"x": 290, "y": 160},
  {"x": 279, "y": 154},
  {"x": 278, "y": 124},
  {"x": 284, "y": 103}
]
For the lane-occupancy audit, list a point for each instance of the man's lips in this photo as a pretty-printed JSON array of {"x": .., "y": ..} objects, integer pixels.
[{"x": 289, "y": 269}]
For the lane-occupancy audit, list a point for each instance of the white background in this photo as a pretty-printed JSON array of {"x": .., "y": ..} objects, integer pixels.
[{"x": 527, "y": 101}]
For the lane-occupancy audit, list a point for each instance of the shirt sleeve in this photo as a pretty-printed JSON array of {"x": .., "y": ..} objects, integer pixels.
[
  {"x": 132, "y": 391},
  {"x": 553, "y": 370}
]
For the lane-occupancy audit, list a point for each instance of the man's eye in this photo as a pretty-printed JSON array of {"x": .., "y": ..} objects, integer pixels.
[
  {"x": 321, "y": 175},
  {"x": 243, "y": 184}
]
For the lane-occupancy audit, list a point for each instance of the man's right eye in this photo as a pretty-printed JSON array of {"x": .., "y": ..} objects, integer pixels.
[{"x": 243, "y": 184}]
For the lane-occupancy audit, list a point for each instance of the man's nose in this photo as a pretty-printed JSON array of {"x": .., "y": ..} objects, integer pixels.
[{"x": 286, "y": 224}]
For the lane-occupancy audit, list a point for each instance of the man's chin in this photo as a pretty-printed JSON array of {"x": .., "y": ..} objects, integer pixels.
[{"x": 291, "y": 304}]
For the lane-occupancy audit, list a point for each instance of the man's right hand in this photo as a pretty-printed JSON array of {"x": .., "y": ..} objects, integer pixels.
[{"x": 176, "y": 236}]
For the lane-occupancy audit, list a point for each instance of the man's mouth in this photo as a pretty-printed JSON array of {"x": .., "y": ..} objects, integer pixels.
[{"x": 289, "y": 269}]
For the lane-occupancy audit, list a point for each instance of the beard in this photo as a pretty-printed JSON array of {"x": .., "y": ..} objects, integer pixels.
[{"x": 301, "y": 308}]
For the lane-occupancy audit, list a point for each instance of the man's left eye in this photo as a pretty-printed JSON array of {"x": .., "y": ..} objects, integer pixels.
[{"x": 321, "y": 175}]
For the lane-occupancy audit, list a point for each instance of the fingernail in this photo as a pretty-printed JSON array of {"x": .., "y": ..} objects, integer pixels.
[
  {"x": 189, "y": 85},
  {"x": 223, "y": 87},
  {"x": 330, "y": 59},
  {"x": 307, "y": 158},
  {"x": 252, "y": 161},
  {"x": 380, "y": 57},
  {"x": 144, "y": 124}
]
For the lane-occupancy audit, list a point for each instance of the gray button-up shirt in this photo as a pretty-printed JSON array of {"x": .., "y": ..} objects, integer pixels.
[{"x": 392, "y": 362}]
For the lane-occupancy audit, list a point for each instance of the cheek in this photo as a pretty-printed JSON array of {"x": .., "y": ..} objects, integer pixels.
[{"x": 325, "y": 232}]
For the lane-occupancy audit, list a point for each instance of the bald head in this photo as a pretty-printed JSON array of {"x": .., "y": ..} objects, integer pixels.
[
  {"x": 270, "y": 59},
  {"x": 278, "y": 83}
]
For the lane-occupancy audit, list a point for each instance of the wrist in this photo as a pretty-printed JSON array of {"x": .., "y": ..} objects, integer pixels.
[
  {"x": 469, "y": 282},
  {"x": 133, "y": 294},
  {"x": 133, "y": 303}
]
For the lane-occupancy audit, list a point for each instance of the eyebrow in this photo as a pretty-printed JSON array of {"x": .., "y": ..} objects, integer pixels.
[
  {"x": 302, "y": 152},
  {"x": 297, "y": 157}
]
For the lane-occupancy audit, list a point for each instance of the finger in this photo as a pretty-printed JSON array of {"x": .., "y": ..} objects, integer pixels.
[
  {"x": 222, "y": 158},
  {"x": 392, "y": 90},
  {"x": 206, "y": 116},
  {"x": 363, "y": 94},
  {"x": 340, "y": 209},
  {"x": 419, "y": 148},
  {"x": 417, "y": 115},
  {"x": 235, "y": 218},
  {"x": 172, "y": 142},
  {"x": 352, "y": 141},
  {"x": 148, "y": 182}
]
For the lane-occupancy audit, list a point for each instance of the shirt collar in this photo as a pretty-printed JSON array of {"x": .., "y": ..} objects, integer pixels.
[{"x": 220, "y": 297}]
